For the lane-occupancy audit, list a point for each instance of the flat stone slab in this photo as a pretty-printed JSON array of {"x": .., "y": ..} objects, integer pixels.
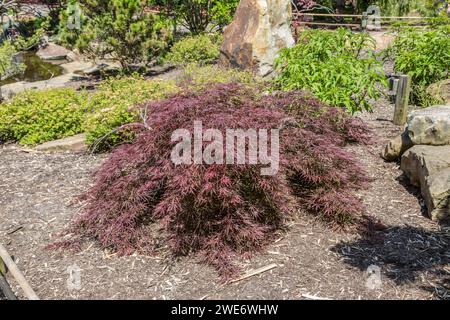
[
  {"x": 8, "y": 91},
  {"x": 102, "y": 66},
  {"x": 74, "y": 143},
  {"x": 52, "y": 52},
  {"x": 76, "y": 66},
  {"x": 430, "y": 126},
  {"x": 428, "y": 167}
]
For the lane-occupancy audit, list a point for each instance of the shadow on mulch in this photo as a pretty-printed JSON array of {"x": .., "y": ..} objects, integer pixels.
[
  {"x": 402, "y": 254},
  {"x": 415, "y": 191}
]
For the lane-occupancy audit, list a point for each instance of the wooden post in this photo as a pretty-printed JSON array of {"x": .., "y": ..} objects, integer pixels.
[
  {"x": 6, "y": 289},
  {"x": 402, "y": 100},
  {"x": 364, "y": 21},
  {"x": 15, "y": 272}
]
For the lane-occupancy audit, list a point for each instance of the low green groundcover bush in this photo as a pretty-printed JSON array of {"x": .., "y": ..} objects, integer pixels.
[
  {"x": 112, "y": 107},
  {"x": 202, "y": 49},
  {"x": 34, "y": 117},
  {"x": 425, "y": 56},
  {"x": 38, "y": 116},
  {"x": 339, "y": 67}
]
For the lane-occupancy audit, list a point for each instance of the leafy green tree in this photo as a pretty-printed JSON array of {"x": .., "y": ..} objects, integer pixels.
[
  {"x": 200, "y": 15},
  {"x": 331, "y": 65},
  {"x": 8, "y": 67},
  {"x": 424, "y": 55},
  {"x": 122, "y": 30}
]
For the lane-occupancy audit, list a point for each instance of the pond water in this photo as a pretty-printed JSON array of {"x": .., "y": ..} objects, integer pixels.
[{"x": 36, "y": 69}]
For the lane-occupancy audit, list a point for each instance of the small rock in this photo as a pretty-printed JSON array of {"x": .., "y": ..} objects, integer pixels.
[
  {"x": 52, "y": 51},
  {"x": 100, "y": 68},
  {"x": 10, "y": 90},
  {"x": 74, "y": 56},
  {"x": 428, "y": 167},
  {"x": 74, "y": 143},
  {"x": 430, "y": 126},
  {"x": 396, "y": 147},
  {"x": 440, "y": 91},
  {"x": 76, "y": 66}
]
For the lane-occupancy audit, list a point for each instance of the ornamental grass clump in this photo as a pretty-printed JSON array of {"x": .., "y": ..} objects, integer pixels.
[{"x": 140, "y": 199}]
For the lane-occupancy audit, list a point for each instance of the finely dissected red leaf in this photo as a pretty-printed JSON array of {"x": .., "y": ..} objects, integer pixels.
[{"x": 219, "y": 211}]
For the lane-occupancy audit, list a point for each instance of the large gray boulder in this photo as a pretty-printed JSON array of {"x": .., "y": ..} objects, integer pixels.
[
  {"x": 430, "y": 126},
  {"x": 259, "y": 30},
  {"x": 428, "y": 167}
]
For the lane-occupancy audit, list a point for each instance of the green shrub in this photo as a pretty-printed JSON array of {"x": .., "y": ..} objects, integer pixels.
[
  {"x": 7, "y": 65},
  {"x": 339, "y": 67},
  {"x": 199, "y": 16},
  {"x": 197, "y": 76},
  {"x": 34, "y": 117},
  {"x": 122, "y": 30},
  {"x": 424, "y": 55},
  {"x": 38, "y": 116},
  {"x": 112, "y": 107},
  {"x": 24, "y": 43},
  {"x": 202, "y": 49}
]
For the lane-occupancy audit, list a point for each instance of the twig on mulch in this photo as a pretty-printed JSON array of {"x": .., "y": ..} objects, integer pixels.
[
  {"x": 311, "y": 297},
  {"x": 255, "y": 272}
]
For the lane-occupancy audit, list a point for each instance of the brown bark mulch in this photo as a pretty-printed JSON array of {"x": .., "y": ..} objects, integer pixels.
[{"x": 37, "y": 190}]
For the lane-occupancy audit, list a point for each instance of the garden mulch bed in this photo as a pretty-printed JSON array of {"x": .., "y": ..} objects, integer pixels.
[{"x": 37, "y": 193}]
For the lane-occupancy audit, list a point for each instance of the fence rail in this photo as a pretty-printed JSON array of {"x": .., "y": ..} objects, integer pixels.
[{"x": 362, "y": 17}]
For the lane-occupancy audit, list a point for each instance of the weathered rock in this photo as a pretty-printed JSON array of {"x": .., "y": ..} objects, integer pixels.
[
  {"x": 75, "y": 56},
  {"x": 441, "y": 91},
  {"x": 101, "y": 67},
  {"x": 437, "y": 195},
  {"x": 430, "y": 126},
  {"x": 259, "y": 30},
  {"x": 396, "y": 147},
  {"x": 10, "y": 90},
  {"x": 74, "y": 143},
  {"x": 428, "y": 167},
  {"x": 76, "y": 67},
  {"x": 52, "y": 51}
]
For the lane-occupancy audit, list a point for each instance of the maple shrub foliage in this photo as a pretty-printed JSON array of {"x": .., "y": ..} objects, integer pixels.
[{"x": 141, "y": 200}]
